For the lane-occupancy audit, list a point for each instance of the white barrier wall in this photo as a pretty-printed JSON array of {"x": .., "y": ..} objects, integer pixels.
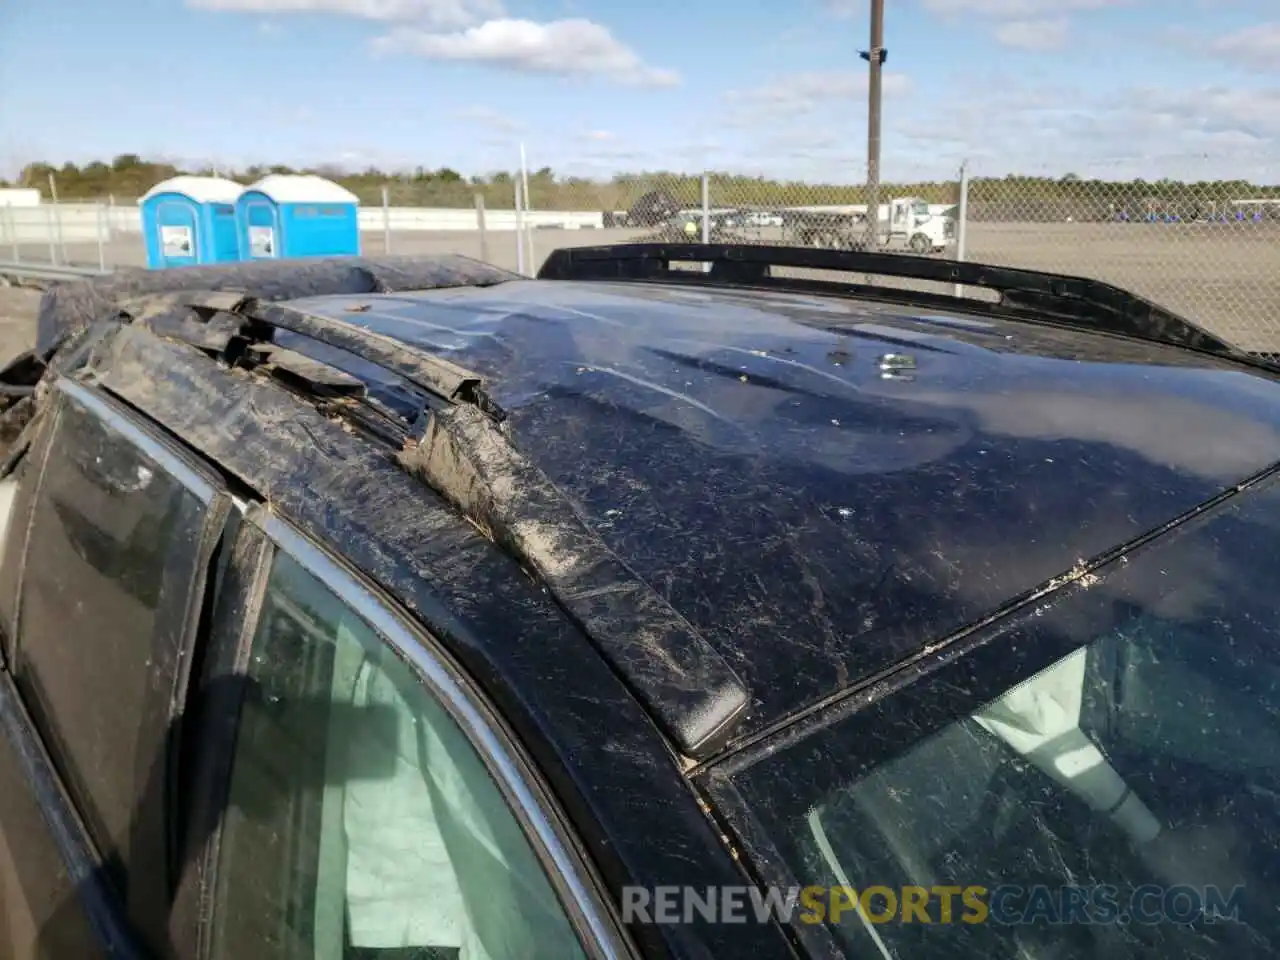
[
  {"x": 19, "y": 197},
  {"x": 89, "y": 222},
  {"x": 442, "y": 218},
  {"x": 60, "y": 223},
  {"x": 82, "y": 222}
]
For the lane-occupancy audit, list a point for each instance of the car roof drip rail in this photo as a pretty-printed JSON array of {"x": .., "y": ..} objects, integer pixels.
[{"x": 686, "y": 685}]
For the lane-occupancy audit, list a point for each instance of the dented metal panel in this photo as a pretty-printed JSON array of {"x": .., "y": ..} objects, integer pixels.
[
  {"x": 640, "y": 823},
  {"x": 435, "y": 374},
  {"x": 816, "y": 511},
  {"x": 70, "y": 307},
  {"x": 686, "y": 684}
]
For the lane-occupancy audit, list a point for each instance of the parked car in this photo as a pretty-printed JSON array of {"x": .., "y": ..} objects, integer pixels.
[
  {"x": 412, "y": 608},
  {"x": 652, "y": 209},
  {"x": 687, "y": 227},
  {"x": 762, "y": 218}
]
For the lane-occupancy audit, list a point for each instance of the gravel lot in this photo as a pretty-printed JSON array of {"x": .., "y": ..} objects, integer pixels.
[{"x": 1226, "y": 276}]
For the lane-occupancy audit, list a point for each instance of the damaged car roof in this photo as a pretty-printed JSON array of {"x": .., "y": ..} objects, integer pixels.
[{"x": 822, "y": 487}]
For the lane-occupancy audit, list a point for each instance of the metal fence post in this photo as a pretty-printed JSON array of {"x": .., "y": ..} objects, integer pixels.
[
  {"x": 99, "y": 221},
  {"x": 480, "y": 225},
  {"x": 528, "y": 207},
  {"x": 386, "y": 220},
  {"x": 62, "y": 239},
  {"x": 11, "y": 230},
  {"x": 13, "y": 235},
  {"x": 51, "y": 231},
  {"x": 528, "y": 239},
  {"x": 706, "y": 214},
  {"x": 520, "y": 230},
  {"x": 962, "y": 220},
  {"x": 706, "y": 208}
]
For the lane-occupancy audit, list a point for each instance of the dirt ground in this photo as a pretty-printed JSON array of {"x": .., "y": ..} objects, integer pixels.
[{"x": 1224, "y": 276}]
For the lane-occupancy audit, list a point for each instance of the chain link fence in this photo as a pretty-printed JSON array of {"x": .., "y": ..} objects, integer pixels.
[
  {"x": 722, "y": 208},
  {"x": 70, "y": 234},
  {"x": 1209, "y": 249}
]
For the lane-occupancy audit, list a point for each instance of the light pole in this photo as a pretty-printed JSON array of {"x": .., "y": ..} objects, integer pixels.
[{"x": 875, "y": 57}]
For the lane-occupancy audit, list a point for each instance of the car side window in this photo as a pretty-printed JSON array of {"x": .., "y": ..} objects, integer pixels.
[
  {"x": 361, "y": 821},
  {"x": 114, "y": 564}
]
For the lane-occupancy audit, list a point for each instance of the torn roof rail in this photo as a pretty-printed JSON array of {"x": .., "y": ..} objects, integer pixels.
[
  {"x": 314, "y": 376},
  {"x": 686, "y": 685},
  {"x": 433, "y": 374},
  {"x": 67, "y": 308},
  {"x": 1033, "y": 294}
]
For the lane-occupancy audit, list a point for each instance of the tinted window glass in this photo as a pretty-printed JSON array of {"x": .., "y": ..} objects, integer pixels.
[
  {"x": 360, "y": 818},
  {"x": 112, "y": 560},
  {"x": 1116, "y": 756}
]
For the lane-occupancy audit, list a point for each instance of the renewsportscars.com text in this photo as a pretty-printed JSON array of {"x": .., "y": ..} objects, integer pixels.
[{"x": 1008, "y": 905}]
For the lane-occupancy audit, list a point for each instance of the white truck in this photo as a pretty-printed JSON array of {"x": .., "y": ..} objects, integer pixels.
[
  {"x": 909, "y": 222},
  {"x": 904, "y": 222}
]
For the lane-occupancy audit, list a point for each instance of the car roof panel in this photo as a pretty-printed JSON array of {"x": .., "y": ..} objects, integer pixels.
[{"x": 823, "y": 486}]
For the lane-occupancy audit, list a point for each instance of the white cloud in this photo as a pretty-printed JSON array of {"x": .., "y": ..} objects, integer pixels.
[
  {"x": 490, "y": 118},
  {"x": 1256, "y": 46},
  {"x": 846, "y": 9},
  {"x": 999, "y": 9},
  {"x": 1035, "y": 35},
  {"x": 1019, "y": 9},
  {"x": 1240, "y": 113},
  {"x": 439, "y": 14},
  {"x": 799, "y": 93},
  {"x": 1004, "y": 125},
  {"x": 1035, "y": 25},
  {"x": 598, "y": 136},
  {"x": 560, "y": 47},
  {"x": 1191, "y": 133}
]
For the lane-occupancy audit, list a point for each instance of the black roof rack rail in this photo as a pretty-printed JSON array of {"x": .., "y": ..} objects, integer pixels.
[
  {"x": 689, "y": 689},
  {"x": 1031, "y": 294},
  {"x": 435, "y": 375}
]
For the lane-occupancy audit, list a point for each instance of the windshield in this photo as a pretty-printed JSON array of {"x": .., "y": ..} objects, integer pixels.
[{"x": 1099, "y": 778}]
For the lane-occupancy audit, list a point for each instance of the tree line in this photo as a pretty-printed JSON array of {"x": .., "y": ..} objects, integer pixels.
[{"x": 1025, "y": 198}]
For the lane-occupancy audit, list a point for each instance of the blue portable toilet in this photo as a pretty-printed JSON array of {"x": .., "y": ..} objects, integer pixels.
[
  {"x": 190, "y": 220},
  {"x": 297, "y": 215}
]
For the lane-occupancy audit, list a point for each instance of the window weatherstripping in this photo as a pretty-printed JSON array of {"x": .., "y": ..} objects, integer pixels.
[{"x": 562, "y": 866}]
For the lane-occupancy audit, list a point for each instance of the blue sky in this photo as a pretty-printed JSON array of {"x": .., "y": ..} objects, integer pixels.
[{"x": 1181, "y": 88}]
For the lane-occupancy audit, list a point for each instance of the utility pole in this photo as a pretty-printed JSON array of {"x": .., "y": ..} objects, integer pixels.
[{"x": 875, "y": 57}]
